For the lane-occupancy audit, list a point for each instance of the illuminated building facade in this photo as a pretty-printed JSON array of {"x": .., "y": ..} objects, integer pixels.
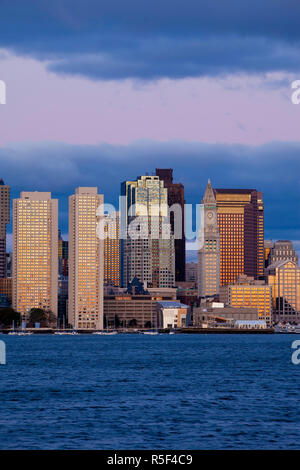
[
  {"x": 4, "y": 220},
  {"x": 112, "y": 249},
  {"x": 241, "y": 225},
  {"x": 209, "y": 247},
  {"x": 284, "y": 278},
  {"x": 247, "y": 292},
  {"x": 35, "y": 244},
  {"x": 147, "y": 252},
  {"x": 86, "y": 254}
]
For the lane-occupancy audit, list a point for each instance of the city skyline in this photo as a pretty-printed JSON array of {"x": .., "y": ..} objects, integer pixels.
[{"x": 270, "y": 232}]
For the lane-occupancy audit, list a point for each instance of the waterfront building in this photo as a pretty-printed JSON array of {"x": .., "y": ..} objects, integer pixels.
[
  {"x": 282, "y": 250},
  {"x": 241, "y": 225},
  {"x": 209, "y": 247},
  {"x": 210, "y": 313},
  {"x": 4, "y": 220},
  {"x": 172, "y": 315},
  {"x": 134, "y": 307},
  {"x": 248, "y": 292},
  {"x": 191, "y": 273},
  {"x": 175, "y": 196},
  {"x": 86, "y": 254},
  {"x": 112, "y": 249},
  {"x": 284, "y": 278},
  {"x": 35, "y": 248},
  {"x": 147, "y": 249}
]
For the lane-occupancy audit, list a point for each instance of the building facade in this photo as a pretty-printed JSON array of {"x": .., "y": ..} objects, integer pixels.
[
  {"x": 284, "y": 278},
  {"x": 112, "y": 249},
  {"x": 241, "y": 225},
  {"x": 209, "y": 247},
  {"x": 86, "y": 255},
  {"x": 175, "y": 196},
  {"x": 282, "y": 250},
  {"x": 35, "y": 248},
  {"x": 147, "y": 245},
  {"x": 247, "y": 292},
  {"x": 191, "y": 273},
  {"x": 4, "y": 220}
]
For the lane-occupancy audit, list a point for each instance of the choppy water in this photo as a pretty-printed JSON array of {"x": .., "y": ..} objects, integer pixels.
[{"x": 150, "y": 392}]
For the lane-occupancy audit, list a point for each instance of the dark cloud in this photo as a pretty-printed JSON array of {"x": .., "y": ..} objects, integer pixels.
[
  {"x": 272, "y": 168},
  {"x": 148, "y": 40}
]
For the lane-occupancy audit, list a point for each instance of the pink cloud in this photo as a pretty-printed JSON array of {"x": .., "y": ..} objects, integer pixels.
[{"x": 44, "y": 107}]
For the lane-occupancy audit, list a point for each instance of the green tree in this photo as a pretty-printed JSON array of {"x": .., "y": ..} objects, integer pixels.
[
  {"x": 8, "y": 316},
  {"x": 133, "y": 323}
]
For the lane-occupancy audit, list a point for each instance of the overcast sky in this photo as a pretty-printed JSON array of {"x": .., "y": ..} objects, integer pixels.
[{"x": 99, "y": 92}]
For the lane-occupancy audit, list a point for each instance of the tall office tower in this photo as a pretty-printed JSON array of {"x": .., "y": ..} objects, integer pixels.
[
  {"x": 112, "y": 249},
  {"x": 284, "y": 278},
  {"x": 4, "y": 220},
  {"x": 282, "y": 250},
  {"x": 209, "y": 247},
  {"x": 85, "y": 259},
  {"x": 175, "y": 196},
  {"x": 241, "y": 224},
  {"x": 148, "y": 250},
  {"x": 35, "y": 262}
]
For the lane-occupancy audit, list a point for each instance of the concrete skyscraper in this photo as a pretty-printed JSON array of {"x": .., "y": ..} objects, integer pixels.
[
  {"x": 175, "y": 196},
  {"x": 209, "y": 249},
  {"x": 148, "y": 250},
  {"x": 35, "y": 245},
  {"x": 241, "y": 225},
  {"x": 86, "y": 257},
  {"x": 4, "y": 220}
]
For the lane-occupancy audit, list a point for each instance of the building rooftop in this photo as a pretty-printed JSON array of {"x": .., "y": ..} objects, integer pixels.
[{"x": 172, "y": 304}]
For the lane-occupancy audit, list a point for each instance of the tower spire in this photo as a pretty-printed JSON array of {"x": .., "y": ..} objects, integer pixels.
[{"x": 209, "y": 195}]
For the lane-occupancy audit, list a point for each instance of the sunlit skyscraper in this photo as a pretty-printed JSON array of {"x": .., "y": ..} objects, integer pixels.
[
  {"x": 35, "y": 263},
  {"x": 148, "y": 252},
  {"x": 86, "y": 257},
  {"x": 241, "y": 225}
]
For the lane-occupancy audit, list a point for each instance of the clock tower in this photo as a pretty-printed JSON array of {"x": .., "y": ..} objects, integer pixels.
[{"x": 209, "y": 246}]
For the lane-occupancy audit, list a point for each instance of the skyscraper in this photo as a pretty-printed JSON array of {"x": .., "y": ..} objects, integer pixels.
[
  {"x": 85, "y": 259},
  {"x": 35, "y": 261},
  {"x": 175, "y": 196},
  {"x": 4, "y": 220},
  {"x": 241, "y": 225},
  {"x": 148, "y": 250},
  {"x": 112, "y": 249},
  {"x": 209, "y": 249}
]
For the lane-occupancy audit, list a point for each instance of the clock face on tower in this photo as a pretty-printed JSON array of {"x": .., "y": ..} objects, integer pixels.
[{"x": 210, "y": 217}]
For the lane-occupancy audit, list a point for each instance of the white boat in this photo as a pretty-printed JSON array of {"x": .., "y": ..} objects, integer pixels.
[
  {"x": 297, "y": 329},
  {"x": 13, "y": 333},
  {"x": 172, "y": 333},
  {"x": 150, "y": 333},
  {"x": 105, "y": 333},
  {"x": 24, "y": 333},
  {"x": 66, "y": 333}
]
